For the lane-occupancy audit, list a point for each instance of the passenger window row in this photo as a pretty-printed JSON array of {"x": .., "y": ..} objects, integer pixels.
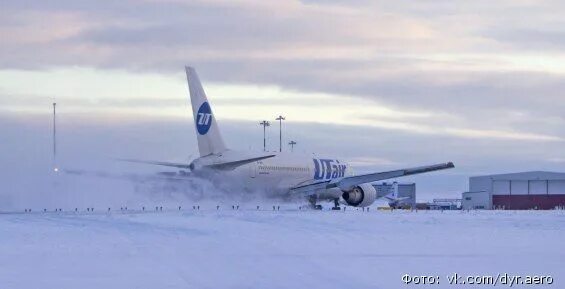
[{"x": 277, "y": 168}]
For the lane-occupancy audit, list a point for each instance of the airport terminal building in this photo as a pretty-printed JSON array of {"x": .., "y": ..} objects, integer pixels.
[{"x": 516, "y": 191}]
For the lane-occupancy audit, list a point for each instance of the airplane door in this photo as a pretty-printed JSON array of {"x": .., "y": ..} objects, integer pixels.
[{"x": 253, "y": 170}]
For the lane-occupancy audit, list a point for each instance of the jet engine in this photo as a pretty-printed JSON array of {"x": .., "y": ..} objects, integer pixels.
[{"x": 362, "y": 195}]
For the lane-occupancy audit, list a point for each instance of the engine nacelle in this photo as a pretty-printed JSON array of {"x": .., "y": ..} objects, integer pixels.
[{"x": 362, "y": 195}]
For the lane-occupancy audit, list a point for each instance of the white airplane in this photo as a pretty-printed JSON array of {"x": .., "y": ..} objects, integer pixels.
[{"x": 276, "y": 174}]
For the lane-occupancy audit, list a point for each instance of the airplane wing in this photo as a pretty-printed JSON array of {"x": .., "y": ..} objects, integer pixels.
[
  {"x": 230, "y": 165},
  {"x": 234, "y": 164},
  {"x": 348, "y": 183},
  {"x": 166, "y": 164},
  {"x": 396, "y": 199},
  {"x": 162, "y": 176}
]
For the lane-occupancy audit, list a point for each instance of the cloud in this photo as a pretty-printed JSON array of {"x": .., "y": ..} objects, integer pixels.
[{"x": 239, "y": 102}]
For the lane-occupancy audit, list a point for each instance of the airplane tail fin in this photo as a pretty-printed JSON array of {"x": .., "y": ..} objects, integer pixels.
[
  {"x": 209, "y": 138},
  {"x": 395, "y": 190}
]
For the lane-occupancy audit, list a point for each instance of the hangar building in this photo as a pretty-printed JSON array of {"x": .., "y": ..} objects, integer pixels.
[{"x": 516, "y": 191}]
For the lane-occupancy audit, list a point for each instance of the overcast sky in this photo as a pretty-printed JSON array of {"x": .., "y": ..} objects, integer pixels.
[{"x": 385, "y": 84}]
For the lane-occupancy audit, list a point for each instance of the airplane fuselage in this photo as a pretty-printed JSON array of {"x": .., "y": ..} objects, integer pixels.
[{"x": 277, "y": 175}]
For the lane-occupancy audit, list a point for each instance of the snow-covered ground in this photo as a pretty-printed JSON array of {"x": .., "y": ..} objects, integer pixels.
[{"x": 283, "y": 249}]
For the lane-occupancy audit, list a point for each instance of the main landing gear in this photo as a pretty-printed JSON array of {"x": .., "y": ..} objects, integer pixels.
[
  {"x": 336, "y": 205},
  {"x": 312, "y": 200}
]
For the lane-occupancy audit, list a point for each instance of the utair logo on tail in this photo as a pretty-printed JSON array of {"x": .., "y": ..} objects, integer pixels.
[
  {"x": 325, "y": 169},
  {"x": 204, "y": 118}
]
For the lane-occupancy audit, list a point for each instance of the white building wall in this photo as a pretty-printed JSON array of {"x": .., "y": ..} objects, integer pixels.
[
  {"x": 538, "y": 187},
  {"x": 519, "y": 187},
  {"x": 557, "y": 187},
  {"x": 501, "y": 187},
  {"x": 407, "y": 191},
  {"x": 479, "y": 184},
  {"x": 476, "y": 200}
]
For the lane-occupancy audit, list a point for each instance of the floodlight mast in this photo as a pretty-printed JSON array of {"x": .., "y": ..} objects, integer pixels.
[
  {"x": 55, "y": 168},
  {"x": 280, "y": 119},
  {"x": 292, "y": 143},
  {"x": 265, "y": 124}
]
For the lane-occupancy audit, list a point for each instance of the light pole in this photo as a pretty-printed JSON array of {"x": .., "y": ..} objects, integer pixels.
[
  {"x": 292, "y": 143},
  {"x": 265, "y": 124},
  {"x": 55, "y": 137},
  {"x": 280, "y": 119}
]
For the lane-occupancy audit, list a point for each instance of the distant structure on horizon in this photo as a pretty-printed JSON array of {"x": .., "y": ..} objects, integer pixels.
[
  {"x": 516, "y": 191},
  {"x": 292, "y": 144},
  {"x": 55, "y": 166},
  {"x": 265, "y": 124},
  {"x": 280, "y": 118}
]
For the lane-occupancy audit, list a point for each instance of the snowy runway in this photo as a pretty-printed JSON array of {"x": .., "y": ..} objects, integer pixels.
[{"x": 284, "y": 249}]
